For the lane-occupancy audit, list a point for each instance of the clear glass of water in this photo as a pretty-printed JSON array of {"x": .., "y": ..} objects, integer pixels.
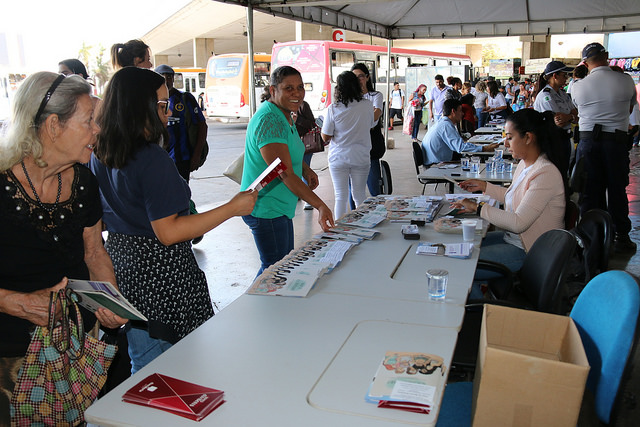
[
  {"x": 437, "y": 284},
  {"x": 475, "y": 164},
  {"x": 489, "y": 165}
]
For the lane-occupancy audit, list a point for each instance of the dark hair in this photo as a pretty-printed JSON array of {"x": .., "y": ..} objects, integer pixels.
[
  {"x": 75, "y": 66},
  {"x": 347, "y": 88},
  {"x": 360, "y": 66},
  {"x": 128, "y": 116},
  {"x": 455, "y": 80},
  {"x": 493, "y": 88},
  {"x": 581, "y": 71},
  {"x": 277, "y": 76},
  {"x": 468, "y": 99},
  {"x": 123, "y": 54},
  {"x": 543, "y": 127},
  {"x": 450, "y": 80},
  {"x": 438, "y": 77},
  {"x": 450, "y": 105}
]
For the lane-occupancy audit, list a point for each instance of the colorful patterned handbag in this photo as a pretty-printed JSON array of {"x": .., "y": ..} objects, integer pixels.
[{"x": 63, "y": 370}]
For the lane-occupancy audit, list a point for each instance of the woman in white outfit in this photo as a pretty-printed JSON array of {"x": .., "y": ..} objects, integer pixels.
[{"x": 346, "y": 127}]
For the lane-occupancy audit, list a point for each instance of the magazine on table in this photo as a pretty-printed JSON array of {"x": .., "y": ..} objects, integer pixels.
[
  {"x": 93, "y": 295},
  {"x": 355, "y": 231},
  {"x": 407, "y": 381},
  {"x": 362, "y": 219},
  {"x": 450, "y": 225},
  {"x": 340, "y": 236},
  {"x": 179, "y": 397}
]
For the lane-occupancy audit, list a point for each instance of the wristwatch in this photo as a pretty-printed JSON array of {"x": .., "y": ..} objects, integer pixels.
[{"x": 479, "y": 208}]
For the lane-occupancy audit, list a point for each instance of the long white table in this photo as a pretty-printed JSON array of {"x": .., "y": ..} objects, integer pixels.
[
  {"x": 309, "y": 361},
  {"x": 457, "y": 174},
  {"x": 489, "y": 129}
]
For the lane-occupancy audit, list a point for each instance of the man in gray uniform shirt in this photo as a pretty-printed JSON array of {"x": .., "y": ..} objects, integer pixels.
[{"x": 604, "y": 100}]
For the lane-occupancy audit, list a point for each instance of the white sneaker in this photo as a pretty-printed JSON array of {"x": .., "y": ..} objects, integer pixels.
[{"x": 307, "y": 206}]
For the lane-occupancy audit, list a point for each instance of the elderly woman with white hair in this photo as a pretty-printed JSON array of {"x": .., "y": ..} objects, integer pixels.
[{"x": 50, "y": 213}]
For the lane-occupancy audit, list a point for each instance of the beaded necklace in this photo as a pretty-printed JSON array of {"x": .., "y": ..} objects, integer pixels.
[{"x": 55, "y": 205}]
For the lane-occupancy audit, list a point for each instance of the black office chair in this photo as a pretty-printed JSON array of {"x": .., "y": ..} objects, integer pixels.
[
  {"x": 595, "y": 239},
  {"x": 540, "y": 286},
  {"x": 571, "y": 215},
  {"x": 418, "y": 160}
]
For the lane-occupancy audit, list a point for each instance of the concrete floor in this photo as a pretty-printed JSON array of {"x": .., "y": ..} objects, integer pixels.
[{"x": 228, "y": 256}]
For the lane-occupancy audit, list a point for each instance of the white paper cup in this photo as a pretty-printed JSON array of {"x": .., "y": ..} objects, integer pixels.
[{"x": 468, "y": 230}]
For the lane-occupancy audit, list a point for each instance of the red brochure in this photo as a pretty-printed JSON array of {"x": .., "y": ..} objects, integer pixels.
[{"x": 179, "y": 397}]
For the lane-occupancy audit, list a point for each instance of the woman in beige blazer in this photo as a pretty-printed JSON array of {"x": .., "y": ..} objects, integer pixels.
[{"x": 534, "y": 202}]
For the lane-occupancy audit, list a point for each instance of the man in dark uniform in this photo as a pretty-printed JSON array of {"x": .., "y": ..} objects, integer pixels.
[
  {"x": 179, "y": 147},
  {"x": 604, "y": 100}
]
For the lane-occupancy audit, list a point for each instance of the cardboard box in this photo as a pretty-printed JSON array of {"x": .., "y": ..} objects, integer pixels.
[{"x": 531, "y": 369}]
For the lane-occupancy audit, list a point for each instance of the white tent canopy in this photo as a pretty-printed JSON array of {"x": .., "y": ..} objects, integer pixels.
[{"x": 405, "y": 19}]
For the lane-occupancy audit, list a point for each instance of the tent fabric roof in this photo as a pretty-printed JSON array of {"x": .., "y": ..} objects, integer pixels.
[{"x": 405, "y": 19}]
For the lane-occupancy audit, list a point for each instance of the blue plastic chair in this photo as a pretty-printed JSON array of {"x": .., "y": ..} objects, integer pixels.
[
  {"x": 606, "y": 314},
  {"x": 455, "y": 410}
]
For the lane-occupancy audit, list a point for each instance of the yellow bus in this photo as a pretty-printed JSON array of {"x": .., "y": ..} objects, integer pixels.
[
  {"x": 227, "y": 83},
  {"x": 190, "y": 80}
]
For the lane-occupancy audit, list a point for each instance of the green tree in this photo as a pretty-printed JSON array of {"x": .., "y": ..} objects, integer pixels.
[
  {"x": 93, "y": 58},
  {"x": 101, "y": 70}
]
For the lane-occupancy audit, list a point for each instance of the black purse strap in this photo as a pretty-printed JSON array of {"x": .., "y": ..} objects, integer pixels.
[{"x": 63, "y": 344}]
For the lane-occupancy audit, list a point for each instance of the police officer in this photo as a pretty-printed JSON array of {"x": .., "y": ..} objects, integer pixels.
[
  {"x": 604, "y": 100},
  {"x": 554, "y": 98}
]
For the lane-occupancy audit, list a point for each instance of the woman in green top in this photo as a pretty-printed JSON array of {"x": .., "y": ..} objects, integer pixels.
[{"x": 272, "y": 133}]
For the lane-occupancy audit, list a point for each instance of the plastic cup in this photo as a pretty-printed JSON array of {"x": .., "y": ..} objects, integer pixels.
[
  {"x": 468, "y": 230},
  {"x": 489, "y": 165},
  {"x": 465, "y": 163},
  {"x": 437, "y": 284},
  {"x": 475, "y": 165},
  {"x": 499, "y": 153}
]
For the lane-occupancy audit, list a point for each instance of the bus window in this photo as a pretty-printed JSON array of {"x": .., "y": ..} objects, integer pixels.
[
  {"x": 341, "y": 61},
  {"x": 261, "y": 73},
  {"x": 178, "y": 81},
  {"x": 201, "y": 80},
  {"x": 225, "y": 67}
]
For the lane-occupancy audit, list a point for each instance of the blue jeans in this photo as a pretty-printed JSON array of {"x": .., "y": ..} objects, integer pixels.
[
  {"x": 495, "y": 249},
  {"x": 482, "y": 117},
  {"x": 417, "y": 120},
  {"x": 142, "y": 348},
  {"x": 273, "y": 237}
]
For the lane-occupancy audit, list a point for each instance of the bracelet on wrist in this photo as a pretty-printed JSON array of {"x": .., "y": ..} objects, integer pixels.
[{"x": 479, "y": 208}]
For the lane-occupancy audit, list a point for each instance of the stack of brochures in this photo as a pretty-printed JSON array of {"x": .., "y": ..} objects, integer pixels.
[
  {"x": 296, "y": 274},
  {"x": 407, "y": 381},
  {"x": 453, "y": 250}
]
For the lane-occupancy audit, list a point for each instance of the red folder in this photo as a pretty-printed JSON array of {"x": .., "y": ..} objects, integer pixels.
[{"x": 176, "y": 396}]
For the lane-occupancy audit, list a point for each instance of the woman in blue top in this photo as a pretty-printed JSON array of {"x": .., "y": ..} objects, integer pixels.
[
  {"x": 271, "y": 134},
  {"x": 146, "y": 211}
]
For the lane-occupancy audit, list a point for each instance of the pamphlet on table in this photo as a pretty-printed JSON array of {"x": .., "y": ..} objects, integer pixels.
[
  {"x": 407, "y": 381},
  {"x": 179, "y": 397},
  {"x": 296, "y": 274},
  {"x": 93, "y": 295},
  {"x": 454, "y": 250}
]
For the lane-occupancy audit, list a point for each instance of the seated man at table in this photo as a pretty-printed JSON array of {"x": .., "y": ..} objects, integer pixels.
[{"x": 443, "y": 138}]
